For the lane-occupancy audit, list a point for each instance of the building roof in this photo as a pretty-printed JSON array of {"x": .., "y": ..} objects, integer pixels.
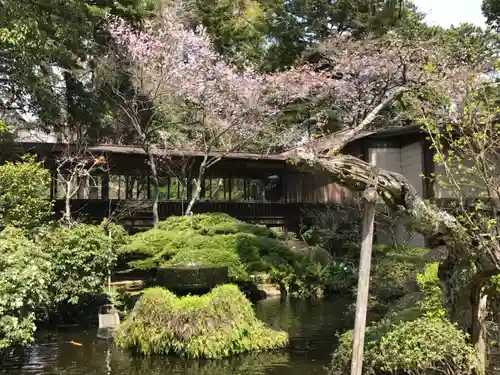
[
  {"x": 37, "y": 140},
  {"x": 124, "y": 149},
  {"x": 328, "y": 142}
]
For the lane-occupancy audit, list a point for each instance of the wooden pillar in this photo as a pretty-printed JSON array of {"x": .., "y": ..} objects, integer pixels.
[{"x": 370, "y": 198}]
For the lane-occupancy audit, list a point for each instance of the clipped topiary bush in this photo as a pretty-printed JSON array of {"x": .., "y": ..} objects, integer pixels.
[
  {"x": 221, "y": 323},
  {"x": 146, "y": 250},
  {"x": 424, "y": 346},
  {"x": 211, "y": 224},
  {"x": 213, "y": 240},
  {"x": 209, "y": 255}
]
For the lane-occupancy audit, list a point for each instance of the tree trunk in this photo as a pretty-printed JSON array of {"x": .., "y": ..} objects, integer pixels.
[
  {"x": 479, "y": 302},
  {"x": 156, "y": 188},
  {"x": 67, "y": 210},
  {"x": 67, "y": 205},
  {"x": 197, "y": 188}
]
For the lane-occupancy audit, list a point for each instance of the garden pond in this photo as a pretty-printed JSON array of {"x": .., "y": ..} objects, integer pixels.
[{"x": 311, "y": 325}]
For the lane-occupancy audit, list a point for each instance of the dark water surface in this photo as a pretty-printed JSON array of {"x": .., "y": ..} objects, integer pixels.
[{"x": 311, "y": 326}]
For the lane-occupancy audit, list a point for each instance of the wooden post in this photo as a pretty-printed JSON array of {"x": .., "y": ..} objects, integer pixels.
[{"x": 370, "y": 198}]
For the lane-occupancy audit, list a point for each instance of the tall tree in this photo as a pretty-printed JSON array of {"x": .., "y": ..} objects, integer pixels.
[
  {"x": 491, "y": 10},
  {"x": 273, "y": 34},
  {"x": 48, "y": 48}
]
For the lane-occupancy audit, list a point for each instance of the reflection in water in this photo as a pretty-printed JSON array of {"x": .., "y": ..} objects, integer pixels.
[{"x": 311, "y": 325}]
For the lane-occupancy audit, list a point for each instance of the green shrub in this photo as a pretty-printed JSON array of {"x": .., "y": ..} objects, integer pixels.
[
  {"x": 214, "y": 240},
  {"x": 189, "y": 279},
  {"x": 218, "y": 324},
  {"x": 24, "y": 278},
  {"x": 146, "y": 250},
  {"x": 428, "y": 282},
  {"x": 338, "y": 277},
  {"x": 422, "y": 346},
  {"x": 81, "y": 257},
  {"x": 118, "y": 234},
  {"x": 217, "y": 240},
  {"x": 214, "y": 223},
  {"x": 394, "y": 270},
  {"x": 24, "y": 193}
]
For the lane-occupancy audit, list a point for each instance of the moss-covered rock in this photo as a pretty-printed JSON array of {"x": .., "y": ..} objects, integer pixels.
[{"x": 218, "y": 324}]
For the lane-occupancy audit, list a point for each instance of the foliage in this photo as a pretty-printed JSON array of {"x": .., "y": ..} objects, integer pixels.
[
  {"x": 24, "y": 279},
  {"x": 461, "y": 132},
  {"x": 212, "y": 224},
  {"x": 428, "y": 282},
  {"x": 50, "y": 50},
  {"x": 491, "y": 10},
  {"x": 209, "y": 252},
  {"x": 218, "y": 324},
  {"x": 81, "y": 257},
  {"x": 241, "y": 29},
  {"x": 217, "y": 240},
  {"x": 184, "y": 74},
  {"x": 191, "y": 278},
  {"x": 116, "y": 232},
  {"x": 338, "y": 277},
  {"x": 237, "y": 28},
  {"x": 421, "y": 346},
  {"x": 24, "y": 193},
  {"x": 394, "y": 270},
  {"x": 415, "y": 337}
]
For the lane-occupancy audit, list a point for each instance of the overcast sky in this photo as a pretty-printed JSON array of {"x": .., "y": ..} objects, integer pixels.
[{"x": 452, "y": 12}]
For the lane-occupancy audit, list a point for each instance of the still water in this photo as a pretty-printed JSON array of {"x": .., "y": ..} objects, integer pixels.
[{"x": 311, "y": 326}]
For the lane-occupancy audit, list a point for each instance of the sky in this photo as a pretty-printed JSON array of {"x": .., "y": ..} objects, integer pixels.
[{"x": 452, "y": 12}]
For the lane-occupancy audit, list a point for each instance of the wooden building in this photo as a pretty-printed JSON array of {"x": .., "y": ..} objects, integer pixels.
[{"x": 251, "y": 187}]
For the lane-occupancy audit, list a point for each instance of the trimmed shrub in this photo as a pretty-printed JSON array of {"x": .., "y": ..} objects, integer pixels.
[
  {"x": 214, "y": 223},
  {"x": 191, "y": 278},
  {"x": 147, "y": 250},
  {"x": 218, "y": 324},
  {"x": 421, "y": 346},
  {"x": 214, "y": 240},
  {"x": 207, "y": 255}
]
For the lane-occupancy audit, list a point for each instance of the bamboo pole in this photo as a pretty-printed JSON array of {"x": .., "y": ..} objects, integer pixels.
[{"x": 370, "y": 198}]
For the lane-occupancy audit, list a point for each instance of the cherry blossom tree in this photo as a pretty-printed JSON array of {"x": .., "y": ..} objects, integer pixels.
[{"x": 231, "y": 110}]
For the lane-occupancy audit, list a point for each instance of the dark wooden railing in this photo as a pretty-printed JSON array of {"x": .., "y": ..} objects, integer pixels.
[{"x": 134, "y": 212}]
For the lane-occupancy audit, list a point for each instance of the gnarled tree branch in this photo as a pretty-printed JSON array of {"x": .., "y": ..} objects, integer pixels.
[{"x": 396, "y": 192}]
